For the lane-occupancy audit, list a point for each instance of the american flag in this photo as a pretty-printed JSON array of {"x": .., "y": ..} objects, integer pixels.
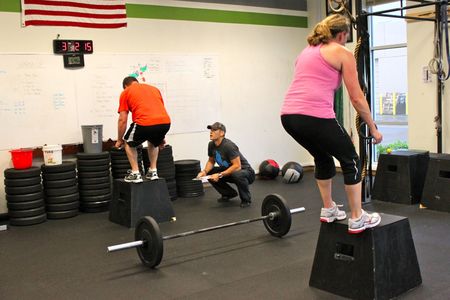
[{"x": 78, "y": 13}]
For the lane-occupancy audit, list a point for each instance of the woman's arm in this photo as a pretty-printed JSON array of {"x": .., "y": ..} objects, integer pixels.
[{"x": 357, "y": 98}]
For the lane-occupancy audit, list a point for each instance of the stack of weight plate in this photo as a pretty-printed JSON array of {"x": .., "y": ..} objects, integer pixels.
[
  {"x": 24, "y": 196},
  {"x": 185, "y": 171},
  {"x": 94, "y": 181},
  {"x": 61, "y": 190},
  {"x": 165, "y": 167},
  {"x": 120, "y": 164}
]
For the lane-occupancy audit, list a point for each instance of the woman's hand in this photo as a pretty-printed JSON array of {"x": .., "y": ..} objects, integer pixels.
[{"x": 377, "y": 137}]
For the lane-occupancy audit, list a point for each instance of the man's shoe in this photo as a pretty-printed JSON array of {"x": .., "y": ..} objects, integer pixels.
[
  {"x": 133, "y": 177},
  {"x": 225, "y": 199},
  {"x": 151, "y": 175},
  {"x": 245, "y": 204}
]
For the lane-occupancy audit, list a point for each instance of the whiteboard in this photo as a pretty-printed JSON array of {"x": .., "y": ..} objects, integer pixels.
[{"x": 43, "y": 103}]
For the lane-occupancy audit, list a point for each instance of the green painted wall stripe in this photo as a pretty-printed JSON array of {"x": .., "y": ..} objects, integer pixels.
[
  {"x": 10, "y": 5},
  {"x": 142, "y": 11},
  {"x": 212, "y": 15}
]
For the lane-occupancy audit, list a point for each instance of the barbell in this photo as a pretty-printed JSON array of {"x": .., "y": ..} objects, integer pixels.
[{"x": 275, "y": 215}]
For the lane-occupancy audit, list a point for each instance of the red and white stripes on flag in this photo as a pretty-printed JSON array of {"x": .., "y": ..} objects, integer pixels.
[{"x": 78, "y": 13}]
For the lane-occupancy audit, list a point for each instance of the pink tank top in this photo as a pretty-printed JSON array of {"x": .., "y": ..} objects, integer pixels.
[{"x": 312, "y": 89}]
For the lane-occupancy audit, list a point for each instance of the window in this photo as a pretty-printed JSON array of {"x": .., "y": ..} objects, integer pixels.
[{"x": 389, "y": 78}]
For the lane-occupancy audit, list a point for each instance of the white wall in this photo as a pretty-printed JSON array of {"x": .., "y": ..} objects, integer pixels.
[
  {"x": 423, "y": 96},
  {"x": 256, "y": 65}
]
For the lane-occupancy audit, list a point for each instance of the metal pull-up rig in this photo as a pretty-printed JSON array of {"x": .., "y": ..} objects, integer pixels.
[{"x": 363, "y": 60}]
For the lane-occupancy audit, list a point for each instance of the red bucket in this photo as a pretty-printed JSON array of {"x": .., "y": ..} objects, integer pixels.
[{"x": 22, "y": 158}]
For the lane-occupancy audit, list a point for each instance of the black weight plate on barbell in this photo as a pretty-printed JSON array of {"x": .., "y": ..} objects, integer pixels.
[
  {"x": 281, "y": 224},
  {"x": 151, "y": 252}
]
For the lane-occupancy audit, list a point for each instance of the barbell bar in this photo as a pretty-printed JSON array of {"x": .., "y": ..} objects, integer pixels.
[
  {"x": 275, "y": 215},
  {"x": 134, "y": 244}
]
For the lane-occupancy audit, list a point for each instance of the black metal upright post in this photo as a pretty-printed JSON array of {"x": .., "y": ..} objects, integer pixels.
[
  {"x": 439, "y": 84},
  {"x": 363, "y": 65}
]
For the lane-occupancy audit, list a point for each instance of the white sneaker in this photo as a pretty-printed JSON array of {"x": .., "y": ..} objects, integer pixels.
[
  {"x": 328, "y": 215},
  {"x": 151, "y": 174},
  {"x": 365, "y": 221},
  {"x": 133, "y": 177}
]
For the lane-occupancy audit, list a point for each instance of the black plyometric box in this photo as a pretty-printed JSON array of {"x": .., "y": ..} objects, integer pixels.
[
  {"x": 379, "y": 263},
  {"x": 400, "y": 176},
  {"x": 436, "y": 192},
  {"x": 131, "y": 201}
]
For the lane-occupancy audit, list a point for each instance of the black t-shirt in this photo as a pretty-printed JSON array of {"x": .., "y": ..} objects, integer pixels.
[{"x": 225, "y": 152}]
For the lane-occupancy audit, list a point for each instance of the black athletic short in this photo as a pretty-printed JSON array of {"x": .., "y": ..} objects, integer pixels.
[
  {"x": 138, "y": 134},
  {"x": 325, "y": 139}
]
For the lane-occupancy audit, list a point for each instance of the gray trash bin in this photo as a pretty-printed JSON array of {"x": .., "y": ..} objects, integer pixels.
[{"x": 92, "y": 138}]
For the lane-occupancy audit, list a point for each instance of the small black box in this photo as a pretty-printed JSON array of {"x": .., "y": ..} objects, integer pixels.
[
  {"x": 131, "y": 201},
  {"x": 400, "y": 176},
  {"x": 379, "y": 263},
  {"x": 436, "y": 192}
]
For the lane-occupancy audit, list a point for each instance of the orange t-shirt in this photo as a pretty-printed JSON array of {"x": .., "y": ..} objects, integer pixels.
[{"x": 145, "y": 103}]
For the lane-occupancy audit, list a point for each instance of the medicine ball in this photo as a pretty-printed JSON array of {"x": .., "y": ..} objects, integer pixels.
[
  {"x": 291, "y": 176},
  {"x": 292, "y": 165},
  {"x": 269, "y": 169}
]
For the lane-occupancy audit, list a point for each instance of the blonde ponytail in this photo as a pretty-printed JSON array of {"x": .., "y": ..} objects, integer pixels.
[{"x": 327, "y": 29}]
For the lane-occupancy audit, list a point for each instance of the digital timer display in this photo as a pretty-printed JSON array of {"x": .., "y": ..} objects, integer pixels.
[
  {"x": 72, "y": 46},
  {"x": 72, "y": 61}
]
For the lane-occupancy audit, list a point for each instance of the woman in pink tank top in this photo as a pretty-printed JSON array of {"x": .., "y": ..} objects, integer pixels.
[{"x": 308, "y": 116}]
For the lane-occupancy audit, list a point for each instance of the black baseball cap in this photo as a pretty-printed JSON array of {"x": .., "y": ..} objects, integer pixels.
[{"x": 217, "y": 126}]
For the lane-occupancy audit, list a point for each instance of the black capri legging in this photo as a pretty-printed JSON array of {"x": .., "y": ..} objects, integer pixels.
[{"x": 325, "y": 138}]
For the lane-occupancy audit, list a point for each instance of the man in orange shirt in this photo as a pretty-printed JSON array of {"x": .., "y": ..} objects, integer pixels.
[{"x": 150, "y": 123}]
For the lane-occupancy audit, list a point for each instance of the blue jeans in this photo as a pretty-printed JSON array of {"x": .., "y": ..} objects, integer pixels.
[{"x": 242, "y": 179}]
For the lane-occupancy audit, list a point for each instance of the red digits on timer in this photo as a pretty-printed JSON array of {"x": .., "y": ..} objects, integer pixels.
[{"x": 88, "y": 47}]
